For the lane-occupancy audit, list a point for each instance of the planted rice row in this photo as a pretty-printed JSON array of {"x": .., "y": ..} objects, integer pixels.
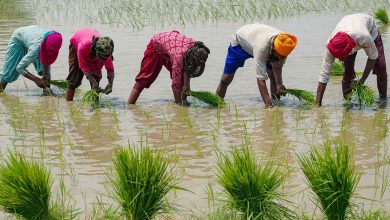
[{"x": 141, "y": 181}]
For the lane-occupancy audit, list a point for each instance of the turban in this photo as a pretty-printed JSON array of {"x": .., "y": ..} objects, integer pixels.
[
  {"x": 285, "y": 43},
  {"x": 50, "y": 48},
  {"x": 341, "y": 45}
]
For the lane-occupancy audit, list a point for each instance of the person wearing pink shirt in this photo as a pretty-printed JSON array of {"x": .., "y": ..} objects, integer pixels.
[
  {"x": 182, "y": 56},
  {"x": 88, "y": 53}
]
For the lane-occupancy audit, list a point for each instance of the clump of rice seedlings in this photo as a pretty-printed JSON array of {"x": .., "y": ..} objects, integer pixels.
[
  {"x": 208, "y": 98},
  {"x": 140, "y": 182},
  {"x": 61, "y": 84},
  {"x": 382, "y": 16},
  {"x": 364, "y": 95},
  {"x": 90, "y": 98},
  {"x": 25, "y": 188},
  {"x": 304, "y": 96},
  {"x": 332, "y": 176},
  {"x": 251, "y": 188},
  {"x": 337, "y": 68}
]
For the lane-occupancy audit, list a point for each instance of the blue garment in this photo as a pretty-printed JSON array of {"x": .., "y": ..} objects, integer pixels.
[
  {"x": 235, "y": 58},
  {"x": 23, "y": 49}
]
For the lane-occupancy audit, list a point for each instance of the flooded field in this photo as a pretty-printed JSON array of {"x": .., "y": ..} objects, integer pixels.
[{"x": 78, "y": 144}]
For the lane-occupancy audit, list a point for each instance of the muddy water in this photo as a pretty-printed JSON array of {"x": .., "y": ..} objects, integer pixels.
[{"x": 78, "y": 144}]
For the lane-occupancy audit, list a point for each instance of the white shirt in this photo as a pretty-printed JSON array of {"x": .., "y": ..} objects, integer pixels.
[
  {"x": 362, "y": 29},
  {"x": 257, "y": 40}
]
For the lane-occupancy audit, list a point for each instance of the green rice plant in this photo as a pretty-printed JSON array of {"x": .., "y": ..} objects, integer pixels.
[
  {"x": 90, "y": 98},
  {"x": 25, "y": 188},
  {"x": 208, "y": 98},
  {"x": 382, "y": 16},
  {"x": 61, "y": 84},
  {"x": 141, "y": 181},
  {"x": 304, "y": 96},
  {"x": 372, "y": 215},
  {"x": 251, "y": 188},
  {"x": 364, "y": 95},
  {"x": 337, "y": 68},
  {"x": 332, "y": 176}
]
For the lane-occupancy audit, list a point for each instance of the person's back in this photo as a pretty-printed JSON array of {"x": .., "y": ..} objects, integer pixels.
[
  {"x": 254, "y": 37},
  {"x": 356, "y": 25},
  {"x": 30, "y": 34}
]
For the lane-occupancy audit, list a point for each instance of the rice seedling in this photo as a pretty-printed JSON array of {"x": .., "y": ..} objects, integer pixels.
[
  {"x": 61, "y": 84},
  {"x": 332, "y": 176},
  {"x": 373, "y": 215},
  {"x": 364, "y": 95},
  {"x": 208, "y": 98},
  {"x": 140, "y": 182},
  {"x": 135, "y": 13},
  {"x": 251, "y": 188},
  {"x": 101, "y": 210},
  {"x": 90, "y": 98},
  {"x": 25, "y": 188},
  {"x": 337, "y": 68},
  {"x": 306, "y": 97},
  {"x": 382, "y": 16}
]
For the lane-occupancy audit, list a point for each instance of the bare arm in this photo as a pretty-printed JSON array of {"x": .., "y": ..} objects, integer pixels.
[
  {"x": 320, "y": 93},
  {"x": 181, "y": 96},
  {"x": 46, "y": 75},
  {"x": 94, "y": 84},
  {"x": 278, "y": 77},
  {"x": 264, "y": 93},
  {"x": 369, "y": 66},
  {"x": 38, "y": 81}
]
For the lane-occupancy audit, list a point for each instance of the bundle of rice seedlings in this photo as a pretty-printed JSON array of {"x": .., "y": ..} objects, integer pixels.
[
  {"x": 61, "y": 84},
  {"x": 364, "y": 95},
  {"x": 332, "y": 177},
  {"x": 337, "y": 68},
  {"x": 304, "y": 96},
  {"x": 208, "y": 98},
  {"x": 90, "y": 98},
  {"x": 140, "y": 182},
  {"x": 382, "y": 16},
  {"x": 25, "y": 188},
  {"x": 251, "y": 188}
]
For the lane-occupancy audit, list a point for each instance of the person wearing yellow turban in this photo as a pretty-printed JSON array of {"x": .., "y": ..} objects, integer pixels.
[{"x": 269, "y": 47}]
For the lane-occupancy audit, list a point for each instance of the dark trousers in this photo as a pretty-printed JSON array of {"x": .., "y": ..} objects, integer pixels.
[{"x": 379, "y": 70}]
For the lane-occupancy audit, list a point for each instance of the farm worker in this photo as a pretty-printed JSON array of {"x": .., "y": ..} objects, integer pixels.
[
  {"x": 88, "y": 53},
  {"x": 269, "y": 47},
  {"x": 30, "y": 45},
  {"x": 184, "y": 58},
  {"x": 354, "y": 32}
]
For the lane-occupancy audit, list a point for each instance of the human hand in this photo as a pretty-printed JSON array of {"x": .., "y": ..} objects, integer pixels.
[
  {"x": 40, "y": 83},
  {"x": 108, "y": 89},
  {"x": 46, "y": 79},
  {"x": 186, "y": 90},
  {"x": 281, "y": 90},
  {"x": 355, "y": 83}
]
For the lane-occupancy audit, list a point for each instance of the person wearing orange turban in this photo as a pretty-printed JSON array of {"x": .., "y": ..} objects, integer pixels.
[
  {"x": 352, "y": 33},
  {"x": 269, "y": 47}
]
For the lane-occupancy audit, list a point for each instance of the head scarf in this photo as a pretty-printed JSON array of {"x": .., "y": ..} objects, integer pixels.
[
  {"x": 102, "y": 47},
  {"x": 284, "y": 43},
  {"x": 50, "y": 48},
  {"x": 341, "y": 45},
  {"x": 195, "y": 59}
]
